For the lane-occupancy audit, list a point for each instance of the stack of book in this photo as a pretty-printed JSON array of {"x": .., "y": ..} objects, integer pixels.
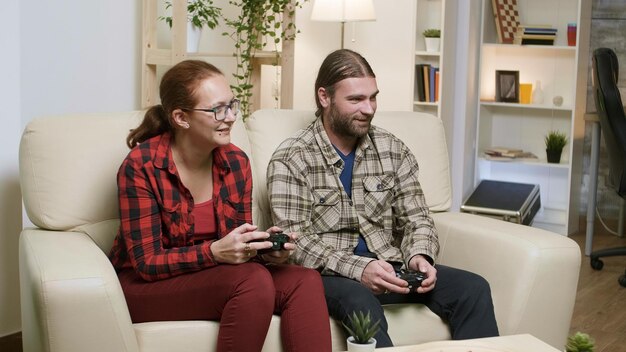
[
  {"x": 536, "y": 35},
  {"x": 427, "y": 81},
  {"x": 504, "y": 153}
]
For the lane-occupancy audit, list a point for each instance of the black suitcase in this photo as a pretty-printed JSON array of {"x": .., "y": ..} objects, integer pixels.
[{"x": 509, "y": 201}]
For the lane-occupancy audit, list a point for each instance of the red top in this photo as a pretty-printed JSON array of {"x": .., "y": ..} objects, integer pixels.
[
  {"x": 204, "y": 213},
  {"x": 156, "y": 234}
]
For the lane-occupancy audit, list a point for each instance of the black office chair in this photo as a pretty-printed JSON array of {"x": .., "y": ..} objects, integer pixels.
[{"x": 613, "y": 126}]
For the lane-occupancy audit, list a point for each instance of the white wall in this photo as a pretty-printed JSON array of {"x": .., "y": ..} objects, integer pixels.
[
  {"x": 10, "y": 199},
  {"x": 378, "y": 41},
  {"x": 63, "y": 56}
]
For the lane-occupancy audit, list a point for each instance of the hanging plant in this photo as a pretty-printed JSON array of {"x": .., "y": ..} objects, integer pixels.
[
  {"x": 200, "y": 13},
  {"x": 257, "y": 20}
]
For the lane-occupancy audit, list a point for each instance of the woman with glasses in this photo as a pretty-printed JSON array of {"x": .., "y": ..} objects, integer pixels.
[{"x": 186, "y": 249}]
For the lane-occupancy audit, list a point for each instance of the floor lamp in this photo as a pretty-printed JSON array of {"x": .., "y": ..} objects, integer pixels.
[{"x": 343, "y": 11}]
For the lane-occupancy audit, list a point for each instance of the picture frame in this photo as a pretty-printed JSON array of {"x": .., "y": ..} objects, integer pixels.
[{"x": 507, "y": 86}]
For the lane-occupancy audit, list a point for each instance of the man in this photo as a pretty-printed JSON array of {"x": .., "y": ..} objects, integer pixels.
[{"x": 351, "y": 190}]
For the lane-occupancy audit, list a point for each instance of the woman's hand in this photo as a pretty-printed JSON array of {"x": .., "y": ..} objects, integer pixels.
[
  {"x": 236, "y": 247},
  {"x": 279, "y": 257}
]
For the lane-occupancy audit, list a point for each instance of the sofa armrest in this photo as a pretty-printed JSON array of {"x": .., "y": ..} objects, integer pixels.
[
  {"x": 70, "y": 295},
  {"x": 533, "y": 273}
]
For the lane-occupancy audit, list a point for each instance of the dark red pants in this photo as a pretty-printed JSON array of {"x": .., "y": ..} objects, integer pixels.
[{"x": 243, "y": 298}]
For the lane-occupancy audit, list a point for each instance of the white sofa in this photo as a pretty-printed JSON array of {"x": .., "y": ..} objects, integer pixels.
[{"x": 72, "y": 301}]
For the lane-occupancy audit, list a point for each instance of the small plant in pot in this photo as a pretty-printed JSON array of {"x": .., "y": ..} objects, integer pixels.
[
  {"x": 431, "y": 38},
  {"x": 555, "y": 142},
  {"x": 579, "y": 342},
  {"x": 200, "y": 13},
  {"x": 362, "y": 331}
]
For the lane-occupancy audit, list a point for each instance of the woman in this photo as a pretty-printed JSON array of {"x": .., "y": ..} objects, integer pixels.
[{"x": 186, "y": 249}]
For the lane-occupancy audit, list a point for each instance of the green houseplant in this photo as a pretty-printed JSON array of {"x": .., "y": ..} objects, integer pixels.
[
  {"x": 362, "y": 331},
  {"x": 579, "y": 342},
  {"x": 432, "y": 38},
  {"x": 257, "y": 20},
  {"x": 200, "y": 13},
  {"x": 432, "y": 33},
  {"x": 555, "y": 142}
]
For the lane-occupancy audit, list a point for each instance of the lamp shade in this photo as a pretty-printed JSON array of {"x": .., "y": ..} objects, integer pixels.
[{"x": 343, "y": 10}]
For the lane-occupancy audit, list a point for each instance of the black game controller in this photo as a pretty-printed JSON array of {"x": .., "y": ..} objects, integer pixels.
[
  {"x": 414, "y": 278},
  {"x": 278, "y": 242}
]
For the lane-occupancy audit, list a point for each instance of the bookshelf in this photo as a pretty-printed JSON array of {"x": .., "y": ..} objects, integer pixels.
[
  {"x": 429, "y": 14},
  {"x": 562, "y": 71}
]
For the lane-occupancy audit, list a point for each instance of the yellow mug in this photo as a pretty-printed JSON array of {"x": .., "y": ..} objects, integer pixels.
[{"x": 525, "y": 90}]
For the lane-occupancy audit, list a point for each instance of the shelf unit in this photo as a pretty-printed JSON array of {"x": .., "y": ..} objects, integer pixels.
[
  {"x": 152, "y": 56},
  {"x": 562, "y": 71},
  {"x": 430, "y": 14}
]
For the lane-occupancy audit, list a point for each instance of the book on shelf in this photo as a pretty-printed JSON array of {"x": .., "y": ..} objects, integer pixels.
[
  {"x": 526, "y": 41},
  {"x": 535, "y": 34},
  {"x": 495, "y": 153},
  {"x": 437, "y": 85},
  {"x": 419, "y": 82},
  {"x": 426, "y": 69},
  {"x": 431, "y": 82},
  {"x": 427, "y": 83}
]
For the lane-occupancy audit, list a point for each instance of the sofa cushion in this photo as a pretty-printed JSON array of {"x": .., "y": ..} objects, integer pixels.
[
  {"x": 68, "y": 172},
  {"x": 422, "y": 133}
]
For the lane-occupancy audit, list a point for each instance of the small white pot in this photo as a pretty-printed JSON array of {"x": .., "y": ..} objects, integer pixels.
[
  {"x": 358, "y": 347},
  {"x": 432, "y": 44},
  {"x": 193, "y": 38}
]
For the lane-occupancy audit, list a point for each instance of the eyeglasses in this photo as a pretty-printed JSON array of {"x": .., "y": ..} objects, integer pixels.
[{"x": 220, "y": 112}]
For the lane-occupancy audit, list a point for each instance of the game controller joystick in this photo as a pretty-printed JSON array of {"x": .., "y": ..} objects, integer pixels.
[
  {"x": 278, "y": 242},
  {"x": 414, "y": 278}
]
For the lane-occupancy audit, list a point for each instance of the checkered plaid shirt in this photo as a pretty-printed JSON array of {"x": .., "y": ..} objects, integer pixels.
[
  {"x": 156, "y": 222},
  {"x": 387, "y": 205}
]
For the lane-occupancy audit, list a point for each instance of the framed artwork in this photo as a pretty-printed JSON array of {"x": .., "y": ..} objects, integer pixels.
[
  {"x": 507, "y": 86},
  {"x": 507, "y": 19}
]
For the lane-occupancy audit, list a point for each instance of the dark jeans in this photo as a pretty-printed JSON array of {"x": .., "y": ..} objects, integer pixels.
[{"x": 461, "y": 298}]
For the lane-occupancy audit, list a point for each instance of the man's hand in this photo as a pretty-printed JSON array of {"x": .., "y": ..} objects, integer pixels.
[
  {"x": 419, "y": 263},
  {"x": 380, "y": 277}
]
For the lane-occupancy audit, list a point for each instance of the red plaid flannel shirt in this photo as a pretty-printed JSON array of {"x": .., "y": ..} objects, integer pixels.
[{"x": 156, "y": 226}]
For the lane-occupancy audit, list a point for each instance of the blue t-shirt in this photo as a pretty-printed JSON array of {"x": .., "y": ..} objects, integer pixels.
[{"x": 346, "y": 180}]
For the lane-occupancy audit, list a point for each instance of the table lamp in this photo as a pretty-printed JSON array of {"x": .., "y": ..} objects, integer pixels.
[{"x": 343, "y": 11}]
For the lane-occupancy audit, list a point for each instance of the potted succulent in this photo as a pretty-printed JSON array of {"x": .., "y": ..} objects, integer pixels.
[
  {"x": 555, "y": 142},
  {"x": 200, "y": 13},
  {"x": 579, "y": 342},
  {"x": 362, "y": 331},
  {"x": 432, "y": 37}
]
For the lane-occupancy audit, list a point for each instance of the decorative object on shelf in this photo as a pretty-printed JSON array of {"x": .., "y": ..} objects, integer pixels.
[
  {"x": 557, "y": 100},
  {"x": 200, "y": 13},
  {"x": 507, "y": 86},
  {"x": 343, "y": 11},
  {"x": 538, "y": 93},
  {"x": 432, "y": 38},
  {"x": 362, "y": 331},
  {"x": 555, "y": 142},
  {"x": 571, "y": 34},
  {"x": 535, "y": 35},
  {"x": 525, "y": 93},
  {"x": 257, "y": 20},
  {"x": 507, "y": 19},
  {"x": 579, "y": 342}
]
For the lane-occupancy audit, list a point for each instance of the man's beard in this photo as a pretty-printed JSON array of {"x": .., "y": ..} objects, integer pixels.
[{"x": 343, "y": 124}]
